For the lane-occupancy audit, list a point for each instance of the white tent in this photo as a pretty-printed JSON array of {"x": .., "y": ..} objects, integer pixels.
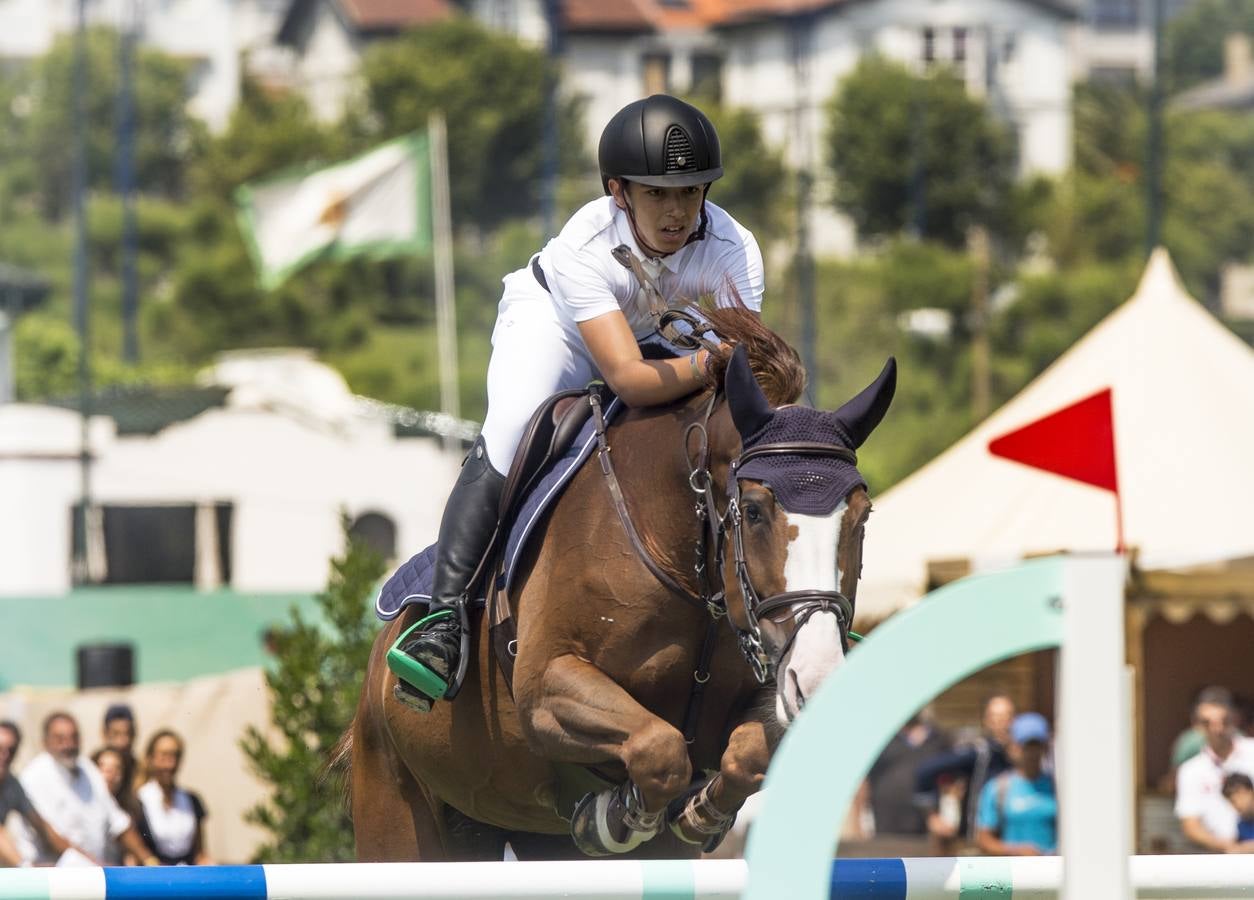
[{"x": 1183, "y": 401}]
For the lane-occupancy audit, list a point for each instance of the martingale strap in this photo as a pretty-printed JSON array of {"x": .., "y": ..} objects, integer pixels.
[
  {"x": 624, "y": 516},
  {"x": 710, "y": 603}
]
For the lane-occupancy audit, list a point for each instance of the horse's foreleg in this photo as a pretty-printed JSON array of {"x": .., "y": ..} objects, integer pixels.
[
  {"x": 574, "y": 712},
  {"x": 709, "y": 813}
]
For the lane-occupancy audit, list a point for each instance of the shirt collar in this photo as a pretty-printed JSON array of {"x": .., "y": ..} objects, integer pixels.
[{"x": 1215, "y": 757}]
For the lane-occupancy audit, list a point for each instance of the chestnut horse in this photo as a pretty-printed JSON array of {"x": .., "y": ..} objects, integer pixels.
[{"x": 588, "y": 753}]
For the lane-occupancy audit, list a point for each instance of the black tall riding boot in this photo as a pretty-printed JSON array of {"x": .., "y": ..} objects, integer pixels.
[{"x": 434, "y": 644}]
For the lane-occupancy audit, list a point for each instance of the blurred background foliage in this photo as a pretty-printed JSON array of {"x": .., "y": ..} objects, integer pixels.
[{"x": 918, "y": 165}]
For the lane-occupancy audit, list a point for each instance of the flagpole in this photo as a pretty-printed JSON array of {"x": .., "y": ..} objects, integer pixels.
[
  {"x": 1119, "y": 548},
  {"x": 445, "y": 313}
]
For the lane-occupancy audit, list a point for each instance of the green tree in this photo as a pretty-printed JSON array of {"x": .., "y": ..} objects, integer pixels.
[
  {"x": 755, "y": 184},
  {"x": 268, "y": 132},
  {"x": 36, "y": 120},
  {"x": 314, "y": 689},
  {"x": 1195, "y": 39},
  {"x": 491, "y": 89},
  {"x": 916, "y": 153}
]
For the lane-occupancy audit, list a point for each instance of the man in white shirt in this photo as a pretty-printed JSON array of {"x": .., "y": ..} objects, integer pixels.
[
  {"x": 69, "y": 792},
  {"x": 1206, "y": 817}
]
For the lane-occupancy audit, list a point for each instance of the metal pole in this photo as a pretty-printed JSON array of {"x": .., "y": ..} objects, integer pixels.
[
  {"x": 1154, "y": 151},
  {"x": 445, "y": 312},
  {"x": 552, "y": 140},
  {"x": 981, "y": 353},
  {"x": 804, "y": 258},
  {"x": 82, "y": 319},
  {"x": 125, "y": 185}
]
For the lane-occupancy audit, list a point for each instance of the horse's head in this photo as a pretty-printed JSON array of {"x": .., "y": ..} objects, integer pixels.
[{"x": 797, "y": 506}]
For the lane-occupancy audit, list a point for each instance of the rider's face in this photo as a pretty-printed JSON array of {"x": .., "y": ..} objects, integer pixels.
[{"x": 665, "y": 216}]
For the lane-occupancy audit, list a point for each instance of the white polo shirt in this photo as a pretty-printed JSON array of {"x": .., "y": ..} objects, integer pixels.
[
  {"x": 1199, "y": 787},
  {"x": 77, "y": 804},
  {"x": 586, "y": 281}
]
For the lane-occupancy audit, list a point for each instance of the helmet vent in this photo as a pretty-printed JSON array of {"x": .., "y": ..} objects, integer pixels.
[{"x": 679, "y": 155}]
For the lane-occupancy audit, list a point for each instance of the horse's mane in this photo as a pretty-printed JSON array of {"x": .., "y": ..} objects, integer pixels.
[{"x": 776, "y": 365}]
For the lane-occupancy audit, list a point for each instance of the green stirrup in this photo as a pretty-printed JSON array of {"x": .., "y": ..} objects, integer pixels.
[{"x": 412, "y": 672}]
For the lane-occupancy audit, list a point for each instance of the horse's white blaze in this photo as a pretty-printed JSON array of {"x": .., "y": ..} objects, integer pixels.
[{"x": 811, "y": 564}]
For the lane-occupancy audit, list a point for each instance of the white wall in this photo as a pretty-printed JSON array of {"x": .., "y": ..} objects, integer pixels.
[
  {"x": 1128, "y": 49},
  {"x": 789, "y": 90},
  {"x": 328, "y": 65},
  {"x": 524, "y": 19},
  {"x": 211, "y": 33},
  {"x": 288, "y": 473},
  {"x": 40, "y": 482}
]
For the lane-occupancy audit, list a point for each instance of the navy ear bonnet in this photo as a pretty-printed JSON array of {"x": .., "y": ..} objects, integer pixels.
[
  {"x": 808, "y": 485},
  {"x": 811, "y": 484}
]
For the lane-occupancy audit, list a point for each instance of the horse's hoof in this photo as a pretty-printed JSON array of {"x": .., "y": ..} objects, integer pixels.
[
  {"x": 602, "y": 823},
  {"x": 694, "y": 819},
  {"x": 412, "y": 699}
]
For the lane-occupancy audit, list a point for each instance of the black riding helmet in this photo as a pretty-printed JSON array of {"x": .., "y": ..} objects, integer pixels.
[{"x": 660, "y": 141}]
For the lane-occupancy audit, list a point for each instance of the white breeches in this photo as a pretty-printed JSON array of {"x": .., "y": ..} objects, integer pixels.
[{"x": 534, "y": 355}]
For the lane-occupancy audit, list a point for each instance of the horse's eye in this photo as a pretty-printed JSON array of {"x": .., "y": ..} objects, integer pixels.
[{"x": 753, "y": 513}]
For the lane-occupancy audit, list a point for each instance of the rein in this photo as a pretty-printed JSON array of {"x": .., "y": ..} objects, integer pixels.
[{"x": 714, "y": 529}]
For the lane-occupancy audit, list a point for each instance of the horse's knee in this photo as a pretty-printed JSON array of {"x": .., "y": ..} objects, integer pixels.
[
  {"x": 657, "y": 760},
  {"x": 744, "y": 762}
]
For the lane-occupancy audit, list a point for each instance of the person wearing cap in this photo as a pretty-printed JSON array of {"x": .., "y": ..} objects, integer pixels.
[
  {"x": 1018, "y": 813},
  {"x": 577, "y": 312}
]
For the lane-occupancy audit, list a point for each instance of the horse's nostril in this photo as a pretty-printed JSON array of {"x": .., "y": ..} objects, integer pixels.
[{"x": 801, "y": 695}]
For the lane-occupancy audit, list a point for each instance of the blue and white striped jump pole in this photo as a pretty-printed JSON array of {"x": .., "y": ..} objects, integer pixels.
[{"x": 963, "y": 878}]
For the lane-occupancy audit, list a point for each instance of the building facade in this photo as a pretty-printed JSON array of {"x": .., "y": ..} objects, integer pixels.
[{"x": 245, "y": 493}]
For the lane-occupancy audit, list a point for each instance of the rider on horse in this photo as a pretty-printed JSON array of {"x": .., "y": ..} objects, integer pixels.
[{"x": 577, "y": 312}]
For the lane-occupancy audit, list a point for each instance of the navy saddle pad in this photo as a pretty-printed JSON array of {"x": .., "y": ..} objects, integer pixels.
[{"x": 411, "y": 583}]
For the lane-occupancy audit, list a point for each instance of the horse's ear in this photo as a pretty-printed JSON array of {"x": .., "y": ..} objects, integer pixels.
[
  {"x": 861, "y": 414},
  {"x": 749, "y": 407}
]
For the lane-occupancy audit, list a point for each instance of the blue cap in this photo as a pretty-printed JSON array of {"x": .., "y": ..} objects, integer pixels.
[{"x": 1029, "y": 726}]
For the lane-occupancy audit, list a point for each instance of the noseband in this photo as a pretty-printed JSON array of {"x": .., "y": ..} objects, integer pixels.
[
  {"x": 803, "y": 603},
  {"x": 715, "y": 528}
]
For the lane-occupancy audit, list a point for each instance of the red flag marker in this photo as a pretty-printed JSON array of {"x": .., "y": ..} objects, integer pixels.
[{"x": 1076, "y": 442}]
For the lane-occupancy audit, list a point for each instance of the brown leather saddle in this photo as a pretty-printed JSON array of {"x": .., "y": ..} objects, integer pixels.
[{"x": 550, "y": 432}]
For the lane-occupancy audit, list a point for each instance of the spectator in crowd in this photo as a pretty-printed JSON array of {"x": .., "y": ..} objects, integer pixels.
[
  {"x": 69, "y": 792},
  {"x": 1206, "y": 818},
  {"x": 1239, "y": 791},
  {"x": 112, "y": 765},
  {"x": 1018, "y": 814},
  {"x": 13, "y": 799},
  {"x": 966, "y": 769},
  {"x": 1191, "y": 740},
  {"x": 171, "y": 818},
  {"x": 118, "y": 733},
  {"x": 891, "y": 778}
]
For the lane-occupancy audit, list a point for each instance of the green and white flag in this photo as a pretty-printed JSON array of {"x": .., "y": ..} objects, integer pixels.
[{"x": 378, "y": 204}]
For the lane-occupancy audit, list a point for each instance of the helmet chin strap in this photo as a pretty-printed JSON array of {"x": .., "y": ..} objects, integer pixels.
[{"x": 697, "y": 234}]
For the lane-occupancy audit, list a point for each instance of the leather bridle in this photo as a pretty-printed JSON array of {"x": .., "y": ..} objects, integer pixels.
[{"x": 719, "y": 528}]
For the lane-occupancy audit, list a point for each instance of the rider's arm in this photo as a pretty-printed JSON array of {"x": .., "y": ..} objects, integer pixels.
[
  {"x": 47, "y": 833},
  {"x": 638, "y": 381},
  {"x": 9, "y": 855}
]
